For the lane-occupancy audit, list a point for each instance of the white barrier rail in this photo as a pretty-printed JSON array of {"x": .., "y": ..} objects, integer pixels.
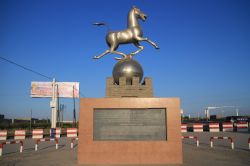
[
  {"x": 45, "y": 140},
  {"x": 3, "y": 135},
  {"x": 11, "y": 142},
  {"x": 227, "y": 126},
  {"x": 226, "y": 138},
  {"x": 72, "y": 142},
  {"x": 214, "y": 127},
  {"x": 183, "y": 128},
  {"x": 20, "y": 135},
  {"x": 192, "y": 137},
  {"x": 37, "y": 133},
  {"x": 198, "y": 127},
  {"x": 249, "y": 143}
]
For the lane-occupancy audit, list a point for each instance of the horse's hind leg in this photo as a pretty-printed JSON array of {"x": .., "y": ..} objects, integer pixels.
[
  {"x": 137, "y": 51},
  {"x": 119, "y": 53},
  {"x": 113, "y": 50},
  {"x": 97, "y": 57}
]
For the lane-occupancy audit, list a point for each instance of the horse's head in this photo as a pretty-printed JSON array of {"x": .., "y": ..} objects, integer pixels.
[{"x": 139, "y": 13}]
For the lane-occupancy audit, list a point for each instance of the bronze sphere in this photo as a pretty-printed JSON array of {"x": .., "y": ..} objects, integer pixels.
[{"x": 128, "y": 68}]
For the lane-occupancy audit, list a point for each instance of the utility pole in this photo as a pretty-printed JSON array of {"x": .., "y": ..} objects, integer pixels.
[
  {"x": 61, "y": 109},
  {"x": 30, "y": 118},
  {"x": 74, "y": 109},
  {"x": 237, "y": 112},
  {"x": 53, "y": 104},
  {"x": 182, "y": 114},
  {"x": 58, "y": 107},
  {"x": 62, "y": 114}
]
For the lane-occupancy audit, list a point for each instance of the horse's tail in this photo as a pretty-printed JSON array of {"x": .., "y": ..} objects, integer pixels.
[{"x": 102, "y": 24}]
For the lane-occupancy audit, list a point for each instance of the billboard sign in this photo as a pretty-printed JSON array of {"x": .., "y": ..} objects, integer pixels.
[{"x": 64, "y": 89}]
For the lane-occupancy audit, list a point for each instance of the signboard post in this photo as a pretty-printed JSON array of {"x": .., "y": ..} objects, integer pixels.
[
  {"x": 54, "y": 90},
  {"x": 53, "y": 104}
]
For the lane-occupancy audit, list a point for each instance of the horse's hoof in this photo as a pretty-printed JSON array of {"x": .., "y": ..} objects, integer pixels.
[
  {"x": 118, "y": 58},
  {"x": 95, "y": 57},
  {"x": 157, "y": 47},
  {"x": 128, "y": 56}
]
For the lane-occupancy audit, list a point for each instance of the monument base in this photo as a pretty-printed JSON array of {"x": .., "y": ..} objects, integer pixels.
[
  {"x": 129, "y": 89},
  {"x": 143, "y": 131}
]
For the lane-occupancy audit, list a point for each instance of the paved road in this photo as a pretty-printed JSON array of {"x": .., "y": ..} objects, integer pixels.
[{"x": 221, "y": 154}]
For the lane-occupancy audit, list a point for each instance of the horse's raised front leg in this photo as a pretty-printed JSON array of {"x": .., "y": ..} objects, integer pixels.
[
  {"x": 97, "y": 57},
  {"x": 137, "y": 51},
  {"x": 147, "y": 40}
]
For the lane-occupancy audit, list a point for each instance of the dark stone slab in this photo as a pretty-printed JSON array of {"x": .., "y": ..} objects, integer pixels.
[{"x": 129, "y": 124}]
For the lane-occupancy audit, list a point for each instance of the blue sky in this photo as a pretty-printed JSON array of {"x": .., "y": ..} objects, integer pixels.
[{"x": 204, "y": 55}]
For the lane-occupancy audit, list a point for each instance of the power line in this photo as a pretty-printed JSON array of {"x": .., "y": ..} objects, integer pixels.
[
  {"x": 25, "y": 68},
  {"x": 33, "y": 71}
]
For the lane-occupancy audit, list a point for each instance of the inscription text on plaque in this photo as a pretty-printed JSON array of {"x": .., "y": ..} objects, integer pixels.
[{"x": 129, "y": 124}]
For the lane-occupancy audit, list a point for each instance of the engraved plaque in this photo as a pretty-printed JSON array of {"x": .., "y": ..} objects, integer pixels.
[{"x": 129, "y": 124}]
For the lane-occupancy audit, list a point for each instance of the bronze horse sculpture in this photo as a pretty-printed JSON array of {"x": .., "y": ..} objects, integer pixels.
[{"x": 133, "y": 34}]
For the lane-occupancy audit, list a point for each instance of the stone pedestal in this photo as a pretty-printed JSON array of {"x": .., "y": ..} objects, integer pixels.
[
  {"x": 94, "y": 150},
  {"x": 129, "y": 89}
]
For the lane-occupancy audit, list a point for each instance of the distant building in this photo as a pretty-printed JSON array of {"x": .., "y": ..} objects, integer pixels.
[
  {"x": 1, "y": 116},
  {"x": 4, "y": 122},
  {"x": 43, "y": 121},
  {"x": 22, "y": 120},
  {"x": 67, "y": 121}
]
